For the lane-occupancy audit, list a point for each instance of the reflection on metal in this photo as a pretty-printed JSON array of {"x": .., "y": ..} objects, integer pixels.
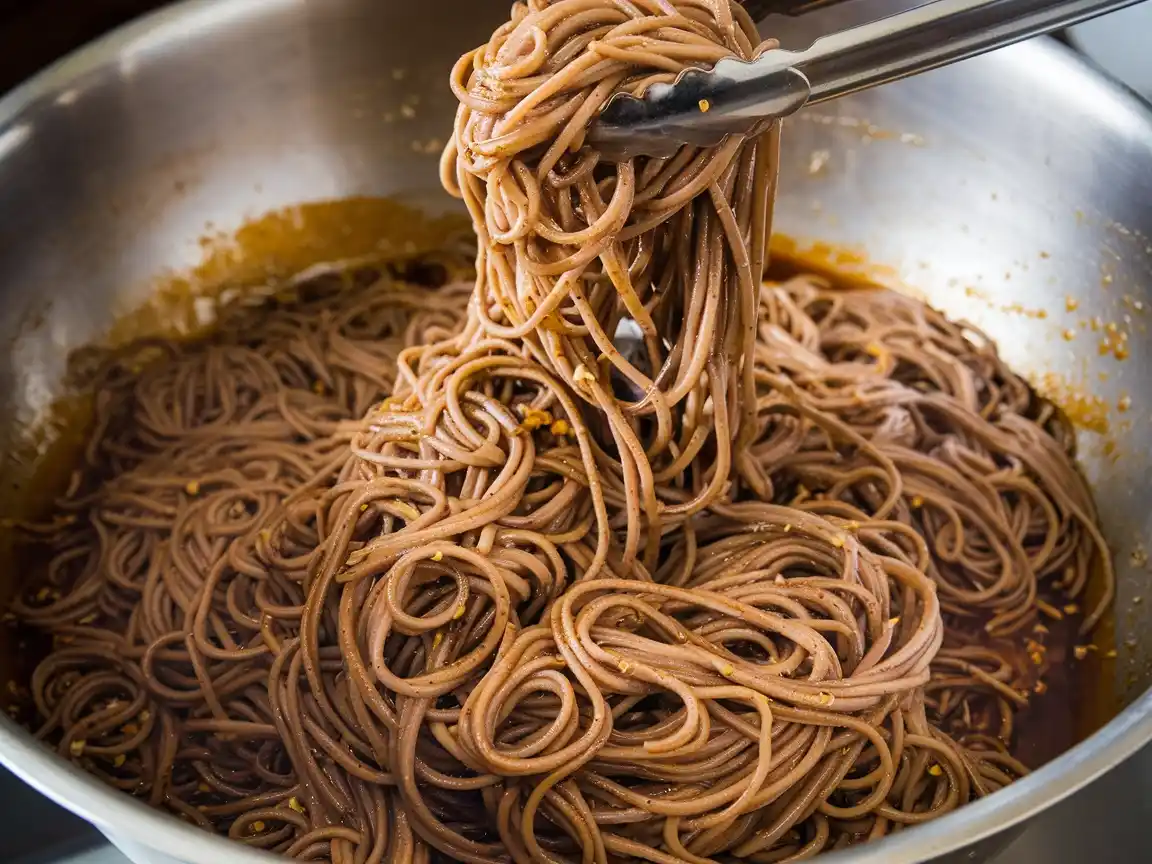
[
  {"x": 742, "y": 96},
  {"x": 761, "y": 9},
  {"x": 13, "y": 138}
]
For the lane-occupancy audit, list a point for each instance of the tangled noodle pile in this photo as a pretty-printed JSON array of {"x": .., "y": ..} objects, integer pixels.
[{"x": 397, "y": 567}]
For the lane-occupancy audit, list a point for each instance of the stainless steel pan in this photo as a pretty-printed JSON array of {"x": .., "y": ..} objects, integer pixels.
[{"x": 1014, "y": 190}]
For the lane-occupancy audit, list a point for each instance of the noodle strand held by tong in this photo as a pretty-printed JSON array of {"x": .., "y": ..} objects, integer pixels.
[{"x": 387, "y": 571}]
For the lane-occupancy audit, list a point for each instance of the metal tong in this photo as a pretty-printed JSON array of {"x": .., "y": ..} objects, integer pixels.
[{"x": 736, "y": 97}]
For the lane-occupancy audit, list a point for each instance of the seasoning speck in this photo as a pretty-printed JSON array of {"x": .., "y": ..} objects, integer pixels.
[{"x": 534, "y": 418}]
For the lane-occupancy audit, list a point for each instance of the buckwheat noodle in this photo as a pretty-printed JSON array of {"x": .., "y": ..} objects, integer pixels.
[{"x": 397, "y": 566}]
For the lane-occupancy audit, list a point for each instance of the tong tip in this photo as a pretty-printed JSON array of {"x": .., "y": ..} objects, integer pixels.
[{"x": 701, "y": 107}]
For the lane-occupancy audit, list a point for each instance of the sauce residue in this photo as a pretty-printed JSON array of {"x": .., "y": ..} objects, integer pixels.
[
  {"x": 278, "y": 245},
  {"x": 847, "y": 267},
  {"x": 1085, "y": 410}
]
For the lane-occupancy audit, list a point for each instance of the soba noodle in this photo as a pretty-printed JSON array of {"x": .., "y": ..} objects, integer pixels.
[{"x": 398, "y": 567}]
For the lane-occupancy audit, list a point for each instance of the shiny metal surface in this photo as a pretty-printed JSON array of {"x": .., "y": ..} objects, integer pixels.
[
  {"x": 760, "y": 9},
  {"x": 735, "y": 97},
  {"x": 1011, "y": 190}
]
